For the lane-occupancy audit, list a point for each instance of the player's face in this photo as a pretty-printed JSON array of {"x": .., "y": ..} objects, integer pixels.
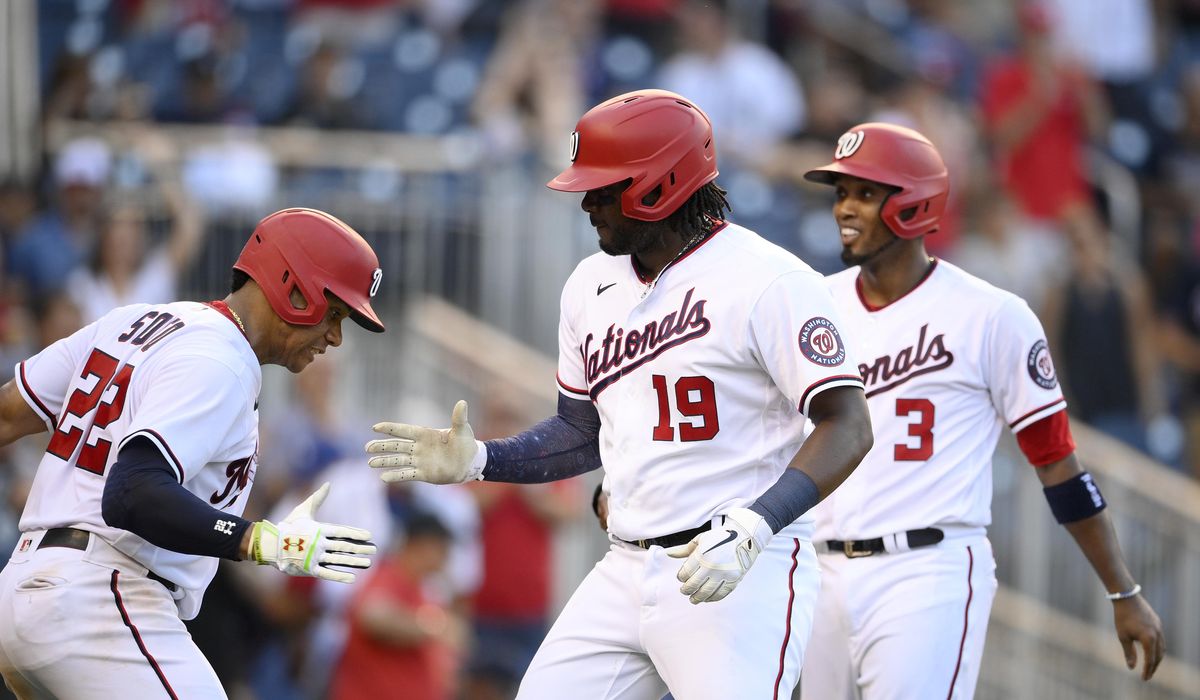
[
  {"x": 300, "y": 344},
  {"x": 856, "y": 210},
  {"x": 619, "y": 235}
]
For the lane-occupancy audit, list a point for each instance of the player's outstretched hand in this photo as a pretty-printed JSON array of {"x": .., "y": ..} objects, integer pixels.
[
  {"x": 301, "y": 546},
  {"x": 1136, "y": 621},
  {"x": 416, "y": 453},
  {"x": 718, "y": 558}
]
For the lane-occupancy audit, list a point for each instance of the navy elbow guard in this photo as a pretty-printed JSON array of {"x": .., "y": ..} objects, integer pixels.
[{"x": 1075, "y": 499}]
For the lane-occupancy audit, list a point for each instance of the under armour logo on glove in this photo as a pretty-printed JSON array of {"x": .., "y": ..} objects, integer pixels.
[
  {"x": 301, "y": 546},
  {"x": 717, "y": 559}
]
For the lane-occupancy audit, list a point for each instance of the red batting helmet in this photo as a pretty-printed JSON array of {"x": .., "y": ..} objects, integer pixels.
[
  {"x": 654, "y": 137},
  {"x": 899, "y": 157},
  {"x": 311, "y": 252}
]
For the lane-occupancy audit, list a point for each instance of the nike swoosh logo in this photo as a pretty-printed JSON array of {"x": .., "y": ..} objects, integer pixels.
[
  {"x": 604, "y": 288},
  {"x": 732, "y": 536}
]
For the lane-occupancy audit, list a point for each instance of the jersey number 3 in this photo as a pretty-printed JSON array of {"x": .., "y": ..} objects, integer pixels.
[
  {"x": 107, "y": 406},
  {"x": 695, "y": 397},
  {"x": 922, "y": 428}
]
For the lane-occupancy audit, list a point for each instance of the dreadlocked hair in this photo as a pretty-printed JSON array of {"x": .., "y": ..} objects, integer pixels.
[{"x": 705, "y": 207}]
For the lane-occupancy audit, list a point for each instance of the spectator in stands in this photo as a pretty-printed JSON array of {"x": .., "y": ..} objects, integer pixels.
[
  {"x": 124, "y": 269},
  {"x": 999, "y": 247},
  {"x": 538, "y": 78},
  {"x": 1039, "y": 112},
  {"x": 402, "y": 642},
  {"x": 512, "y": 607},
  {"x": 48, "y": 248},
  {"x": 752, "y": 96},
  {"x": 326, "y": 97},
  {"x": 1100, "y": 325}
]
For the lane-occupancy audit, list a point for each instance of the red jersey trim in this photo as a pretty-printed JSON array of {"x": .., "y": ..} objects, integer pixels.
[
  {"x": 1047, "y": 440},
  {"x": 223, "y": 309},
  {"x": 827, "y": 383},
  {"x": 570, "y": 389},
  {"x": 872, "y": 308},
  {"x": 162, "y": 446},
  {"x": 1024, "y": 421},
  {"x": 33, "y": 398}
]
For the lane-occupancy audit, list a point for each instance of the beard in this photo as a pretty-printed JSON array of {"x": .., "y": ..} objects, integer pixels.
[
  {"x": 852, "y": 259},
  {"x": 632, "y": 237}
]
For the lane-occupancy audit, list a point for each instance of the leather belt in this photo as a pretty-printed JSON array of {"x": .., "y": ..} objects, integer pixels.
[
  {"x": 74, "y": 538},
  {"x": 924, "y": 537},
  {"x": 672, "y": 540}
]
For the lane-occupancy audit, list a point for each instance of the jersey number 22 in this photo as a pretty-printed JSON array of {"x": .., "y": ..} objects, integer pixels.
[{"x": 92, "y": 458}]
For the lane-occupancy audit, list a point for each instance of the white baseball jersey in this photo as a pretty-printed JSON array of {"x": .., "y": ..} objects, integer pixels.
[
  {"x": 701, "y": 379},
  {"x": 945, "y": 368},
  {"x": 183, "y": 376}
]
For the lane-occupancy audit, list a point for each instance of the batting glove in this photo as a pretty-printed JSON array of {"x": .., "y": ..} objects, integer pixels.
[
  {"x": 301, "y": 546},
  {"x": 426, "y": 454},
  {"x": 717, "y": 559}
]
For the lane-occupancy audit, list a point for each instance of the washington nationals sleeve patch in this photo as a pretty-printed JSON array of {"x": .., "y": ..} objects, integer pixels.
[
  {"x": 1040, "y": 366},
  {"x": 821, "y": 343}
]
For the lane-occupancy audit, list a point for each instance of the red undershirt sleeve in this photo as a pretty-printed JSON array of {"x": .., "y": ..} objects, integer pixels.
[{"x": 1048, "y": 440}]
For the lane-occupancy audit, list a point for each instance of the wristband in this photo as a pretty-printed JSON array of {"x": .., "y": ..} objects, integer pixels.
[
  {"x": 1122, "y": 595},
  {"x": 1075, "y": 499},
  {"x": 787, "y": 499}
]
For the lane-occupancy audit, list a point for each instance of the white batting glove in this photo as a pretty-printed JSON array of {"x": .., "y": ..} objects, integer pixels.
[
  {"x": 717, "y": 559},
  {"x": 301, "y": 546},
  {"x": 416, "y": 453}
]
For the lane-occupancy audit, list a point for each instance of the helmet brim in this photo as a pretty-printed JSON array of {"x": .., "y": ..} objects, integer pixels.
[
  {"x": 583, "y": 178},
  {"x": 365, "y": 316}
]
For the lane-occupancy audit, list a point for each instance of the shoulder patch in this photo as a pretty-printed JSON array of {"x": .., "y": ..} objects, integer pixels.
[
  {"x": 821, "y": 343},
  {"x": 1040, "y": 366}
]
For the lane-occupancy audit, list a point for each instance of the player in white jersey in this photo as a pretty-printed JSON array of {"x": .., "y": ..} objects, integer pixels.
[
  {"x": 153, "y": 415},
  {"x": 690, "y": 352},
  {"x": 948, "y": 360}
]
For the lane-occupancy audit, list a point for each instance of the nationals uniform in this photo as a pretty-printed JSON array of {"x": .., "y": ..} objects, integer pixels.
[
  {"x": 107, "y": 621},
  {"x": 946, "y": 368},
  {"x": 701, "y": 379}
]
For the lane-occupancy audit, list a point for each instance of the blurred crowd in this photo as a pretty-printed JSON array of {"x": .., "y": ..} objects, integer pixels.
[{"x": 1071, "y": 129}]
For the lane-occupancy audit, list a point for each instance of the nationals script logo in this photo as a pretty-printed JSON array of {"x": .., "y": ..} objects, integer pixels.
[
  {"x": 890, "y": 371},
  {"x": 622, "y": 351},
  {"x": 239, "y": 473}
]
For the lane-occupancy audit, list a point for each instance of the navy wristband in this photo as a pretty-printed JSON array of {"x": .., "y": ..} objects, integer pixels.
[
  {"x": 1075, "y": 499},
  {"x": 789, "y": 498}
]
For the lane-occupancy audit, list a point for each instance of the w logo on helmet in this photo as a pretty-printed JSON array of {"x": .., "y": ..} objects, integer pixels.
[
  {"x": 293, "y": 544},
  {"x": 848, "y": 144},
  {"x": 376, "y": 279},
  {"x": 574, "y": 145}
]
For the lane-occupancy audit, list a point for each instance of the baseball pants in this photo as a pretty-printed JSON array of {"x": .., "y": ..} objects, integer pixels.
[
  {"x": 91, "y": 625},
  {"x": 897, "y": 626},
  {"x": 627, "y": 633}
]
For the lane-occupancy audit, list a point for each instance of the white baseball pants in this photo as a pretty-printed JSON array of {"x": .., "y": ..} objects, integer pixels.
[
  {"x": 90, "y": 625},
  {"x": 901, "y": 626},
  {"x": 627, "y": 633}
]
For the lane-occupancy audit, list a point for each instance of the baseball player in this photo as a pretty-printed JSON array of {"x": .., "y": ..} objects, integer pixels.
[
  {"x": 690, "y": 352},
  {"x": 153, "y": 415},
  {"x": 947, "y": 361}
]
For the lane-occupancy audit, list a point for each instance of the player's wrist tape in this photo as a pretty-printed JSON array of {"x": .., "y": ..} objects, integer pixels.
[
  {"x": 1122, "y": 595},
  {"x": 789, "y": 498},
  {"x": 1075, "y": 499}
]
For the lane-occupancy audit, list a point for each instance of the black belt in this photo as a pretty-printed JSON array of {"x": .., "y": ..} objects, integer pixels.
[
  {"x": 672, "y": 540},
  {"x": 74, "y": 538},
  {"x": 864, "y": 548}
]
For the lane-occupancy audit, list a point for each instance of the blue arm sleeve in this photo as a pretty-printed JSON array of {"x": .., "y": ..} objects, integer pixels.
[
  {"x": 142, "y": 496},
  {"x": 559, "y": 447}
]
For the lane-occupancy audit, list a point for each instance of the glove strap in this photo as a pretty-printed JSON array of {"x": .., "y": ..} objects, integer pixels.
[{"x": 264, "y": 530}]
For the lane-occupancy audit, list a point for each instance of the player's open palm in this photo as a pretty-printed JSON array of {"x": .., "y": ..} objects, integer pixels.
[
  {"x": 301, "y": 546},
  {"x": 717, "y": 559},
  {"x": 417, "y": 453},
  {"x": 1136, "y": 621}
]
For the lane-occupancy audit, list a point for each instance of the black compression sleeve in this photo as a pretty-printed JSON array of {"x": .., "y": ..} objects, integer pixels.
[
  {"x": 142, "y": 496},
  {"x": 560, "y": 447}
]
